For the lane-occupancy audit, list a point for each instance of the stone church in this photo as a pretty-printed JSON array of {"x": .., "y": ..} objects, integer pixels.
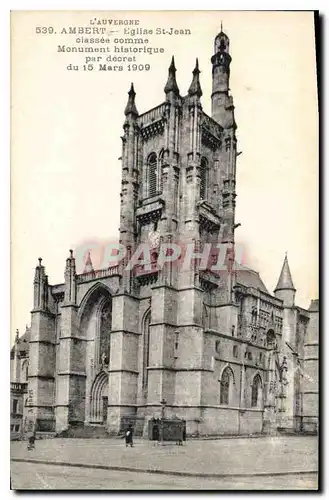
[{"x": 216, "y": 349}]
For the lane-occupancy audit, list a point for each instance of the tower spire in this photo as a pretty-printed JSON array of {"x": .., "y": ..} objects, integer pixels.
[
  {"x": 285, "y": 280},
  {"x": 195, "y": 87},
  {"x": 171, "y": 85},
  {"x": 131, "y": 106}
]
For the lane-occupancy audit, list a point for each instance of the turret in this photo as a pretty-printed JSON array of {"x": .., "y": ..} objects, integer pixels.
[
  {"x": 285, "y": 289},
  {"x": 222, "y": 109}
]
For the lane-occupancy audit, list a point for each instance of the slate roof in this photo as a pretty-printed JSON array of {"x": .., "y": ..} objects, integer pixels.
[{"x": 250, "y": 278}]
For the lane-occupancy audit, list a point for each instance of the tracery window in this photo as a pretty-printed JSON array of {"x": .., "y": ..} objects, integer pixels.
[{"x": 225, "y": 386}]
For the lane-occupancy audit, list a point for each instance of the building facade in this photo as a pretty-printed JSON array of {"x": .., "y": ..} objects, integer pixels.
[
  {"x": 19, "y": 363},
  {"x": 215, "y": 347}
]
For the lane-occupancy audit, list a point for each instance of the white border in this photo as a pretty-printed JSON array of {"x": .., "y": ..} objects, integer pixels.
[{"x": 6, "y": 6}]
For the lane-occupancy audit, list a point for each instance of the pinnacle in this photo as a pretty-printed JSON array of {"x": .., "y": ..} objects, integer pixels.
[
  {"x": 195, "y": 87},
  {"x": 172, "y": 64},
  {"x": 88, "y": 264},
  {"x": 132, "y": 90},
  {"x": 196, "y": 69},
  {"x": 171, "y": 85},
  {"x": 131, "y": 106}
]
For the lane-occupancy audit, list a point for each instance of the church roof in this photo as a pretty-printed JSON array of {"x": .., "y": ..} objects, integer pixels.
[
  {"x": 285, "y": 279},
  {"x": 250, "y": 278}
]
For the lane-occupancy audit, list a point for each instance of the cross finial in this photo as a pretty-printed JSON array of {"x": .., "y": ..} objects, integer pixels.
[
  {"x": 221, "y": 26},
  {"x": 40, "y": 260},
  {"x": 71, "y": 254}
]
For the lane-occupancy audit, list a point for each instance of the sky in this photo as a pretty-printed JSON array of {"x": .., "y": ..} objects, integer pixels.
[{"x": 66, "y": 128}]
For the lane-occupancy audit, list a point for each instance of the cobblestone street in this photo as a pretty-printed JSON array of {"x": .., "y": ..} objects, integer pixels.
[{"x": 251, "y": 461}]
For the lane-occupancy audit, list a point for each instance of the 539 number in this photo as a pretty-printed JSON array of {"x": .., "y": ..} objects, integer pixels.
[{"x": 44, "y": 30}]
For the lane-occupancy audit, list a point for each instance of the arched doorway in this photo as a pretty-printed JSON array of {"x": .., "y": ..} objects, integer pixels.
[
  {"x": 95, "y": 326},
  {"x": 99, "y": 399}
]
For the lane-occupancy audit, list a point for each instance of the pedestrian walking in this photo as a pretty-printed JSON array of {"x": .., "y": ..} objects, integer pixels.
[
  {"x": 31, "y": 441},
  {"x": 129, "y": 436}
]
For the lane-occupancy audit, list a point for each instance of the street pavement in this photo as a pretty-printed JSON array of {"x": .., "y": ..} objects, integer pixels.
[
  {"x": 209, "y": 459},
  {"x": 53, "y": 477}
]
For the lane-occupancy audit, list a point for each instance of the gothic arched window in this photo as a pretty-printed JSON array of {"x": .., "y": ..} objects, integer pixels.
[
  {"x": 146, "y": 348},
  {"x": 256, "y": 390},
  {"x": 161, "y": 155},
  {"x": 203, "y": 178},
  {"x": 152, "y": 174},
  {"x": 225, "y": 386}
]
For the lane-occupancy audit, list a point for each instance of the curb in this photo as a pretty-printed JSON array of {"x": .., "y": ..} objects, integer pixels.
[{"x": 160, "y": 471}]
